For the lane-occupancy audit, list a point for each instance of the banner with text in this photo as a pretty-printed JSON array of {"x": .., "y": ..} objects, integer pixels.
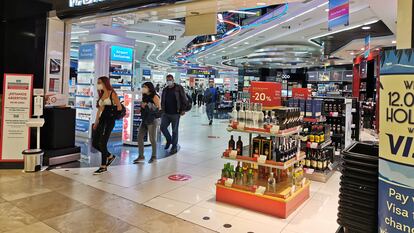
[
  {"x": 17, "y": 99},
  {"x": 266, "y": 93},
  {"x": 301, "y": 93},
  {"x": 396, "y": 164},
  {"x": 338, "y": 13}
]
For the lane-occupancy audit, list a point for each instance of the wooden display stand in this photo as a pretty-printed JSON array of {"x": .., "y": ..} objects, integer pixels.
[{"x": 278, "y": 207}]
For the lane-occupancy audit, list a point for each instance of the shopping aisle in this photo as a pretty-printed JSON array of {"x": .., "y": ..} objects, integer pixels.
[{"x": 193, "y": 199}]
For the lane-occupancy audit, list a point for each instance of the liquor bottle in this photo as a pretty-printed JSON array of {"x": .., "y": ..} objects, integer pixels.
[
  {"x": 241, "y": 176},
  {"x": 239, "y": 146},
  {"x": 271, "y": 183},
  {"x": 277, "y": 155},
  {"x": 232, "y": 143},
  {"x": 242, "y": 113},
  {"x": 308, "y": 158},
  {"x": 319, "y": 161},
  {"x": 282, "y": 154},
  {"x": 249, "y": 115},
  {"x": 314, "y": 163},
  {"x": 235, "y": 114},
  {"x": 238, "y": 166},
  {"x": 250, "y": 178},
  {"x": 261, "y": 115}
]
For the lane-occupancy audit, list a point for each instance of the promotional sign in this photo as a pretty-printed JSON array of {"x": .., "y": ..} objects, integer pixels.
[
  {"x": 301, "y": 93},
  {"x": 367, "y": 46},
  {"x": 338, "y": 13},
  {"x": 123, "y": 54},
  {"x": 17, "y": 102},
  {"x": 87, "y": 52},
  {"x": 266, "y": 93},
  {"x": 396, "y": 163}
]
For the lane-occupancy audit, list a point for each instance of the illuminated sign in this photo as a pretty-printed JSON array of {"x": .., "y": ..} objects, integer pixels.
[{"x": 77, "y": 3}]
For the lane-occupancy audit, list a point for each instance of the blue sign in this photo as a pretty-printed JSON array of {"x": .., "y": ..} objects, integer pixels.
[
  {"x": 367, "y": 46},
  {"x": 338, "y": 13},
  {"x": 122, "y": 54},
  {"x": 146, "y": 72},
  {"x": 82, "y": 125},
  {"x": 118, "y": 126},
  {"x": 87, "y": 52},
  {"x": 396, "y": 198}
]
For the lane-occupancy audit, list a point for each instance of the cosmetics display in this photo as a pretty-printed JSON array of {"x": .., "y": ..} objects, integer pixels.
[
  {"x": 133, "y": 120},
  {"x": 266, "y": 173}
]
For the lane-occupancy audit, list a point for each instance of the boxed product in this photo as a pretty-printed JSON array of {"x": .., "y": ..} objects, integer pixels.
[
  {"x": 309, "y": 108},
  {"x": 317, "y": 108},
  {"x": 257, "y": 146},
  {"x": 302, "y": 106}
]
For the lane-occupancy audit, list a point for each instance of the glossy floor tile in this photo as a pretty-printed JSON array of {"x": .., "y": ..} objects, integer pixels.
[{"x": 141, "y": 198}]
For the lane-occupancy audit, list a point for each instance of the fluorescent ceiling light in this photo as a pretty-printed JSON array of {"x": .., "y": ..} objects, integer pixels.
[
  {"x": 246, "y": 42},
  {"x": 164, "y": 42},
  {"x": 213, "y": 38},
  {"x": 220, "y": 17},
  {"x": 261, "y": 4},
  {"x": 171, "y": 20},
  {"x": 147, "y": 33},
  {"x": 80, "y": 32},
  {"x": 362, "y": 49},
  {"x": 244, "y": 12},
  {"x": 394, "y": 42},
  {"x": 366, "y": 27},
  {"x": 327, "y": 10},
  {"x": 352, "y": 53}
]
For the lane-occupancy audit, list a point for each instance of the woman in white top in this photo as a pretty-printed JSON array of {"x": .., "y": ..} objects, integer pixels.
[{"x": 105, "y": 121}]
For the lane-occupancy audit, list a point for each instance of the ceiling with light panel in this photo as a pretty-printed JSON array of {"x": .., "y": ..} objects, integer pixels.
[{"x": 289, "y": 36}]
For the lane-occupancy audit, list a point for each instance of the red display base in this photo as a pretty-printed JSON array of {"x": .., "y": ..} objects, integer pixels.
[{"x": 274, "y": 206}]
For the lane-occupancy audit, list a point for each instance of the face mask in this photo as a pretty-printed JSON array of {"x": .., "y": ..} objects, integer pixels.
[
  {"x": 145, "y": 90},
  {"x": 99, "y": 87},
  {"x": 170, "y": 83}
]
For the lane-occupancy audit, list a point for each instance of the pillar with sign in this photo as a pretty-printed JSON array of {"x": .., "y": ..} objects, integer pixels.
[{"x": 396, "y": 151}]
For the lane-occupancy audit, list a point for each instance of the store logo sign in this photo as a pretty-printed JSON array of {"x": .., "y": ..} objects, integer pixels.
[{"x": 78, "y": 3}]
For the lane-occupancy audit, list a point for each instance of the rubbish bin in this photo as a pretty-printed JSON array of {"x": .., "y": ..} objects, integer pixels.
[{"x": 33, "y": 159}]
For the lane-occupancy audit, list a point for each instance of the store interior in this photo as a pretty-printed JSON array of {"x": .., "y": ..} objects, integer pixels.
[{"x": 289, "y": 167}]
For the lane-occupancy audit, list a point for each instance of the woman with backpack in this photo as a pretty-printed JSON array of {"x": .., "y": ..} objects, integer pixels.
[
  {"x": 109, "y": 107},
  {"x": 150, "y": 112}
]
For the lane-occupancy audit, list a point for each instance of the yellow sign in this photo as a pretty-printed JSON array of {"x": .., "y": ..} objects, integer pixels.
[{"x": 397, "y": 118}]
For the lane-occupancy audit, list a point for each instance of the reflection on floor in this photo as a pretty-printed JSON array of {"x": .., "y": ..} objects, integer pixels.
[{"x": 142, "y": 198}]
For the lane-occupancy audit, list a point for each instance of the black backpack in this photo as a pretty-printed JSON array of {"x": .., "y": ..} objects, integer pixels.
[{"x": 189, "y": 104}]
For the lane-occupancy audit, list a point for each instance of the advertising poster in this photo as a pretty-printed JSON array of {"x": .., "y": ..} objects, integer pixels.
[
  {"x": 396, "y": 164},
  {"x": 17, "y": 99},
  {"x": 338, "y": 13},
  {"x": 266, "y": 93},
  {"x": 367, "y": 46}
]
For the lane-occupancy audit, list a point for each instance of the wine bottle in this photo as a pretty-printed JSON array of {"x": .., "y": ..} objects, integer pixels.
[
  {"x": 235, "y": 114},
  {"x": 271, "y": 183},
  {"x": 239, "y": 146},
  {"x": 231, "y": 143}
]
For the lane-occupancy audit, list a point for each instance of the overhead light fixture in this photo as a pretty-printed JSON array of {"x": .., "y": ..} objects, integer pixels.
[
  {"x": 261, "y": 4},
  {"x": 394, "y": 42},
  {"x": 80, "y": 32},
  {"x": 220, "y": 17},
  {"x": 244, "y": 12},
  {"x": 213, "y": 38},
  {"x": 164, "y": 42},
  {"x": 246, "y": 42},
  {"x": 352, "y": 53},
  {"x": 362, "y": 49},
  {"x": 326, "y": 10},
  {"x": 366, "y": 27}
]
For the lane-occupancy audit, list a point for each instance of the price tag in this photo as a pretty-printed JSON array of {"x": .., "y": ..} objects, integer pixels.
[
  {"x": 228, "y": 182},
  {"x": 274, "y": 129},
  {"x": 262, "y": 159},
  {"x": 233, "y": 154},
  {"x": 260, "y": 190}
]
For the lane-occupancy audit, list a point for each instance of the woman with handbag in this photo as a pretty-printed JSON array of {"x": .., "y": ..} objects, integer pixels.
[
  {"x": 150, "y": 112},
  {"x": 109, "y": 107}
]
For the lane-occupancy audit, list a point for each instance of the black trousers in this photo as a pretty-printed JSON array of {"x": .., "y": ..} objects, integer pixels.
[{"x": 100, "y": 138}]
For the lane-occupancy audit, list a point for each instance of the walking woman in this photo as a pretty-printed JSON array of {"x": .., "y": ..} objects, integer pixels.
[
  {"x": 150, "y": 108},
  {"x": 107, "y": 104}
]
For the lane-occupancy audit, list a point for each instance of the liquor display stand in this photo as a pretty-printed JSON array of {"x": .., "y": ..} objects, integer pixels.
[{"x": 269, "y": 178}]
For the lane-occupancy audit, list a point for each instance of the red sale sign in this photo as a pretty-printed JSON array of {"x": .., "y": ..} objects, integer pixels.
[
  {"x": 301, "y": 93},
  {"x": 266, "y": 93}
]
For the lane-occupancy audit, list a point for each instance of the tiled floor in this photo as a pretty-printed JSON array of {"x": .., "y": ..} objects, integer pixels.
[{"x": 141, "y": 198}]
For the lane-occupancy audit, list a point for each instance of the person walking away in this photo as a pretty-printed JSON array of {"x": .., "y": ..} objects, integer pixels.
[
  {"x": 104, "y": 122},
  {"x": 194, "y": 95},
  {"x": 173, "y": 103},
  {"x": 210, "y": 97},
  {"x": 150, "y": 107},
  {"x": 200, "y": 96}
]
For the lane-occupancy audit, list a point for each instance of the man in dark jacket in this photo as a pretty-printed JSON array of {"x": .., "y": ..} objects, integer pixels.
[{"x": 173, "y": 103}]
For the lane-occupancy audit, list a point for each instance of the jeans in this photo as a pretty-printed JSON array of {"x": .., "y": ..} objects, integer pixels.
[
  {"x": 151, "y": 129},
  {"x": 100, "y": 138},
  {"x": 174, "y": 120},
  {"x": 210, "y": 111}
]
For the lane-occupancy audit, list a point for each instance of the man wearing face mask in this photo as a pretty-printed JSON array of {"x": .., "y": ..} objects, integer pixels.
[
  {"x": 173, "y": 103},
  {"x": 210, "y": 96}
]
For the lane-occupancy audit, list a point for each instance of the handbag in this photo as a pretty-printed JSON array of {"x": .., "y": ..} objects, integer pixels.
[{"x": 117, "y": 115}]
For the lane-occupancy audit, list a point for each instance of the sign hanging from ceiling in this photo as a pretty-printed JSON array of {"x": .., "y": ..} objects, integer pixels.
[
  {"x": 267, "y": 94},
  {"x": 338, "y": 13},
  {"x": 367, "y": 46}
]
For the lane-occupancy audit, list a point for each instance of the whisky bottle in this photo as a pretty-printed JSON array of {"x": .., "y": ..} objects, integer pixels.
[
  {"x": 231, "y": 143},
  {"x": 239, "y": 146}
]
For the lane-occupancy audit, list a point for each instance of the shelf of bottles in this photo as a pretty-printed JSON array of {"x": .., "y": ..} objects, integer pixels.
[{"x": 268, "y": 177}]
